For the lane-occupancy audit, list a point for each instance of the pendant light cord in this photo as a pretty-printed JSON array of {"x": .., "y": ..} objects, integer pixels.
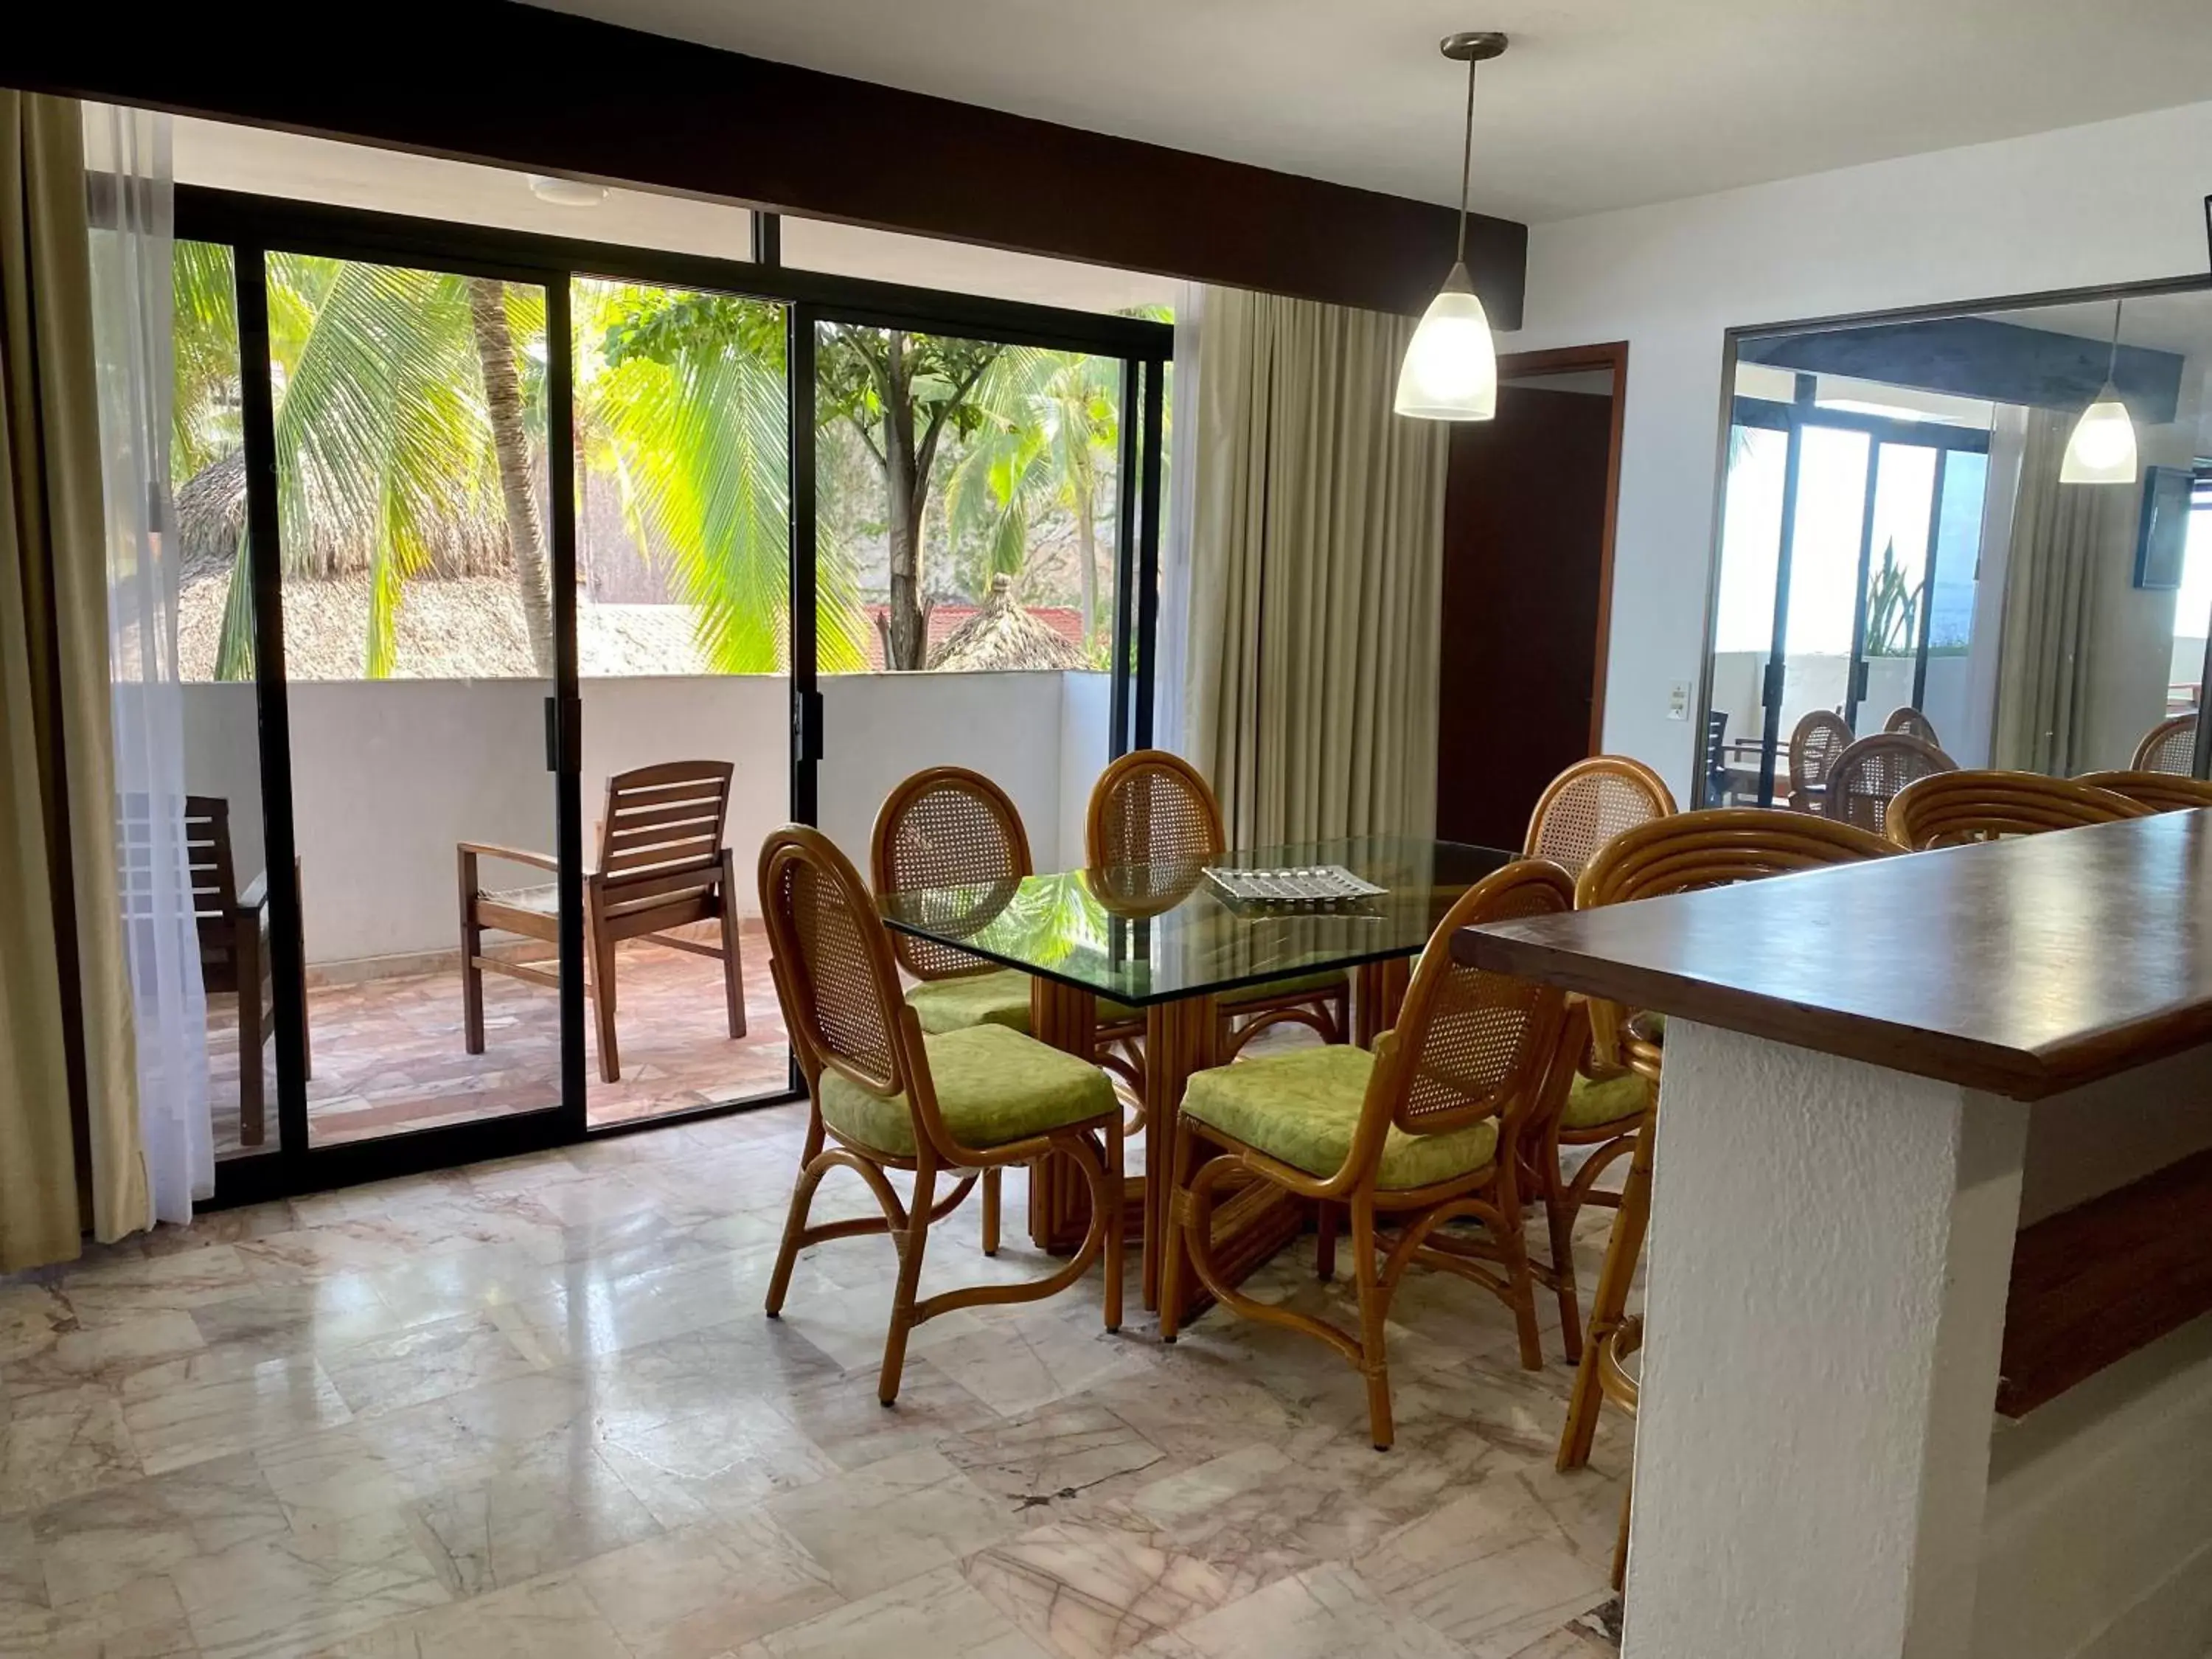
[
  {"x": 1467, "y": 168},
  {"x": 2112, "y": 363}
]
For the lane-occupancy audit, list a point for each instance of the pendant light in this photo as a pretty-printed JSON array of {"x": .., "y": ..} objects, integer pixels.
[
  {"x": 1451, "y": 371},
  {"x": 2103, "y": 448}
]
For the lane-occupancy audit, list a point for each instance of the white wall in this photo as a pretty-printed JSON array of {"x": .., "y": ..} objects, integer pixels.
[
  {"x": 2120, "y": 201},
  {"x": 388, "y": 775}
]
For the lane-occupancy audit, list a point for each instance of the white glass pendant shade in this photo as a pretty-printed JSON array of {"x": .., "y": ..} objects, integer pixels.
[
  {"x": 2103, "y": 448},
  {"x": 1451, "y": 371}
]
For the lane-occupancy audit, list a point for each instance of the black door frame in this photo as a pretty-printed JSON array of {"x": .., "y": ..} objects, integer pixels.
[{"x": 254, "y": 226}]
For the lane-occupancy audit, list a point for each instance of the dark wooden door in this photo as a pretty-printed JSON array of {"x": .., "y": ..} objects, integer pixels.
[{"x": 1525, "y": 570}]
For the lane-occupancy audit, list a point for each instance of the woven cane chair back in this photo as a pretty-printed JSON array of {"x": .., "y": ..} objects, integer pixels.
[
  {"x": 1591, "y": 803},
  {"x": 950, "y": 830},
  {"x": 1872, "y": 773},
  {"x": 832, "y": 960},
  {"x": 2169, "y": 746},
  {"x": 1958, "y": 807},
  {"x": 1152, "y": 807}
]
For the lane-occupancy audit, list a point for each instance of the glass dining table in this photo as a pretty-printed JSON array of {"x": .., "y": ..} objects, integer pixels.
[{"x": 1167, "y": 941}]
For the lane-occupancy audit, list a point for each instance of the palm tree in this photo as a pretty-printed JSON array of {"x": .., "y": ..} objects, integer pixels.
[
  {"x": 494, "y": 337},
  {"x": 1053, "y": 423}
]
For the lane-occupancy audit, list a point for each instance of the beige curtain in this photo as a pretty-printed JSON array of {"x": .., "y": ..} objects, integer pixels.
[
  {"x": 62, "y": 973},
  {"x": 1316, "y": 566},
  {"x": 2060, "y": 536}
]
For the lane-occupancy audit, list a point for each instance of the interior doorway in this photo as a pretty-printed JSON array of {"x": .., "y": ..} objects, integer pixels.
[{"x": 1530, "y": 514}]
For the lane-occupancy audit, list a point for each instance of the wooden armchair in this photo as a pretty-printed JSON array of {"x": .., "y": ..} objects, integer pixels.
[
  {"x": 1690, "y": 851},
  {"x": 2169, "y": 746},
  {"x": 1956, "y": 807},
  {"x": 234, "y": 955},
  {"x": 661, "y": 866},
  {"x": 1152, "y": 807},
  {"x": 1870, "y": 773},
  {"x": 1417, "y": 1132},
  {"x": 1819, "y": 738},
  {"x": 2162, "y": 792},
  {"x": 884, "y": 1096}
]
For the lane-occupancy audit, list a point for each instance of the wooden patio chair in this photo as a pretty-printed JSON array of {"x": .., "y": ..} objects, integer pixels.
[
  {"x": 1953, "y": 808},
  {"x": 885, "y": 1095},
  {"x": 1910, "y": 721},
  {"x": 234, "y": 955},
  {"x": 1416, "y": 1133},
  {"x": 1681, "y": 854},
  {"x": 1868, "y": 775},
  {"x": 661, "y": 866},
  {"x": 1152, "y": 807},
  {"x": 950, "y": 828},
  {"x": 1589, "y": 804},
  {"x": 1815, "y": 742},
  {"x": 2169, "y": 746},
  {"x": 2162, "y": 791}
]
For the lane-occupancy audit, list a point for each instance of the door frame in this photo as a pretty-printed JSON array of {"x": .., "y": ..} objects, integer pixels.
[
  {"x": 1611, "y": 355},
  {"x": 254, "y": 227}
]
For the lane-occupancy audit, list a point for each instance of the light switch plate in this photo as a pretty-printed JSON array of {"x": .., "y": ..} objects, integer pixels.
[{"x": 1678, "y": 700}]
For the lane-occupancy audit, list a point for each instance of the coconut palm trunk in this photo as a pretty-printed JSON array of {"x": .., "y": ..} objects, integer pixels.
[
  {"x": 510, "y": 440},
  {"x": 906, "y": 478}
]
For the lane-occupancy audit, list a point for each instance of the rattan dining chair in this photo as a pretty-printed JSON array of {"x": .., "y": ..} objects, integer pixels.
[
  {"x": 1956, "y": 807},
  {"x": 2169, "y": 746},
  {"x": 1910, "y": 721},
  {"x": 1819, "y": 738},
  {"x": 2162, "y": 792},
  {"x": 1683, "y": 854},
  {"x": 1152, "y": 807},
  {"x": 1411, "y": 1133},
  {"x": 950, "y": 830},
  {"x": 1867, "y": 776},
  {"x": 1589, "y": 804},
  {"x": 883, "y": 1096}
]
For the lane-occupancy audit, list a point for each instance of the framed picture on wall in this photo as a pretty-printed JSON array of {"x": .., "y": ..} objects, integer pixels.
[{"x": 2163, "y": 536}]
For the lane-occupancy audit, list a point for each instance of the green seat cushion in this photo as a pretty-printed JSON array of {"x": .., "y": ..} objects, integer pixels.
[
  {"x": 1594, "y": 1100},
  {"x": 1330, "y": 979},
  {"x": 993, "y": 1086},
  {"x": 1303, "y": 1107},
  {"x": 998, "y": 998}
]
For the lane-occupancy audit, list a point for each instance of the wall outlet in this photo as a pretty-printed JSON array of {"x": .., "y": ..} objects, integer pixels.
[{"x": 1678, "y": 700}]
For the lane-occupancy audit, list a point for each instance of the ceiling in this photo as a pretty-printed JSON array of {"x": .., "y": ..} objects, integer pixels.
[{"x": 1599, "y": 104}]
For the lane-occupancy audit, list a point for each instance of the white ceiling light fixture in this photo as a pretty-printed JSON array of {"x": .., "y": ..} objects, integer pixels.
[
  {"x": 2102, "y": 450},
  {"x": 1451, "y": 371},
  {"x": 567, "y": 192}
]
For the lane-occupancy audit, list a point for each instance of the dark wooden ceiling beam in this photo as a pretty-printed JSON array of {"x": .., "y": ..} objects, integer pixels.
[{"x": 516, "y": 86}]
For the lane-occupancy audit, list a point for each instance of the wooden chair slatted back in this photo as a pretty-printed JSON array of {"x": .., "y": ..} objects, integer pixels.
[
  {"x": 2162, "y": 791},
  {"x": 1469, "y": 1043},
  {"x": 1591, "y": 803},
  {"x": 1693, "y": 851},
  {"x": 1870, "y": 773},
  {"x": 208, "y": 858},
  {"x": 1914, "y": 724},
  {"x": 1152, "y": 807},
  {"x": 1819, "y": 738},
  {"x": 951, "y": 829},
  {"x": 1958, "y": 807},
  {"x": 832, "y": 962},
  {"x": 664, "y": 821},
  {"x": 2169, "y": 746}
]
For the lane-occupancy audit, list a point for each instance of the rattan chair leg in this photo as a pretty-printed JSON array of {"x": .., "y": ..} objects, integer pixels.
[
  {"x": 811, "y": 1171},
  {"x": 991, "y": 1210},
  {"x": 1326, "y": 1218},
  {"x": 1609, "y": 1302},
  {"x": 1560, "y": 1221},
  {"x": 1174, "y": 1246},
  {"x": 1513, "y": 1246},
  {"x": 1374, "y": 1304},
  {"x": 912, "y": 1248},
  {"x": 1116, "y": 1243}
]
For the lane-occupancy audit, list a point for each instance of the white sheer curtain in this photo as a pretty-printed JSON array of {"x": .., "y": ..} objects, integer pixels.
[
  {"x": 1171, "y": 647},
  {"x": 133, "y": 219}
]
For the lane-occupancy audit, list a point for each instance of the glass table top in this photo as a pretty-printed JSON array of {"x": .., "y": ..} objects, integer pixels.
[{"x": 1151, "y": 933}]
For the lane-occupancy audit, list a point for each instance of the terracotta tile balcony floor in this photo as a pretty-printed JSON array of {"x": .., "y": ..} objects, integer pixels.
[
  {"x": 533, "y": 1407},
  {"x": 388, "y": 1055}
]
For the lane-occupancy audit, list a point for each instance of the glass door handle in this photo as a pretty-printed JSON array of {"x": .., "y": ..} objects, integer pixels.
[{"x": 806, "y": 725}]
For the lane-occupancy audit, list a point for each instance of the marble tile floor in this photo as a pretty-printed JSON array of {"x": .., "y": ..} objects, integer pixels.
[
  {"x": 388, "y": 1054},
  {"x": 533, "y": 1407}
]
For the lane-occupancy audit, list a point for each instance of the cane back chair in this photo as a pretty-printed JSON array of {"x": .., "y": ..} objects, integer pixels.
[
  {"x": 2169, "y": 746},
  {"x": 1871, "y": 773},
  {"x": 1813, "y": 745},
  {"x": 1955, "y": 807},
  {"x": 2162, "y": 792}
]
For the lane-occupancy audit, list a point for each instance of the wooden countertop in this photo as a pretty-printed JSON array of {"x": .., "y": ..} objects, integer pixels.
[{"x": 2023, "y": 967}]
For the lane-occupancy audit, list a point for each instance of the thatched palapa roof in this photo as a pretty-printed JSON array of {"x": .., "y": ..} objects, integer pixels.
[{"x": 1002, "y": 634}]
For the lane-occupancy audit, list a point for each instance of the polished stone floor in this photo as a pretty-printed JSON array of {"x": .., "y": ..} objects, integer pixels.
[{"x": 533, "y": 1408}]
